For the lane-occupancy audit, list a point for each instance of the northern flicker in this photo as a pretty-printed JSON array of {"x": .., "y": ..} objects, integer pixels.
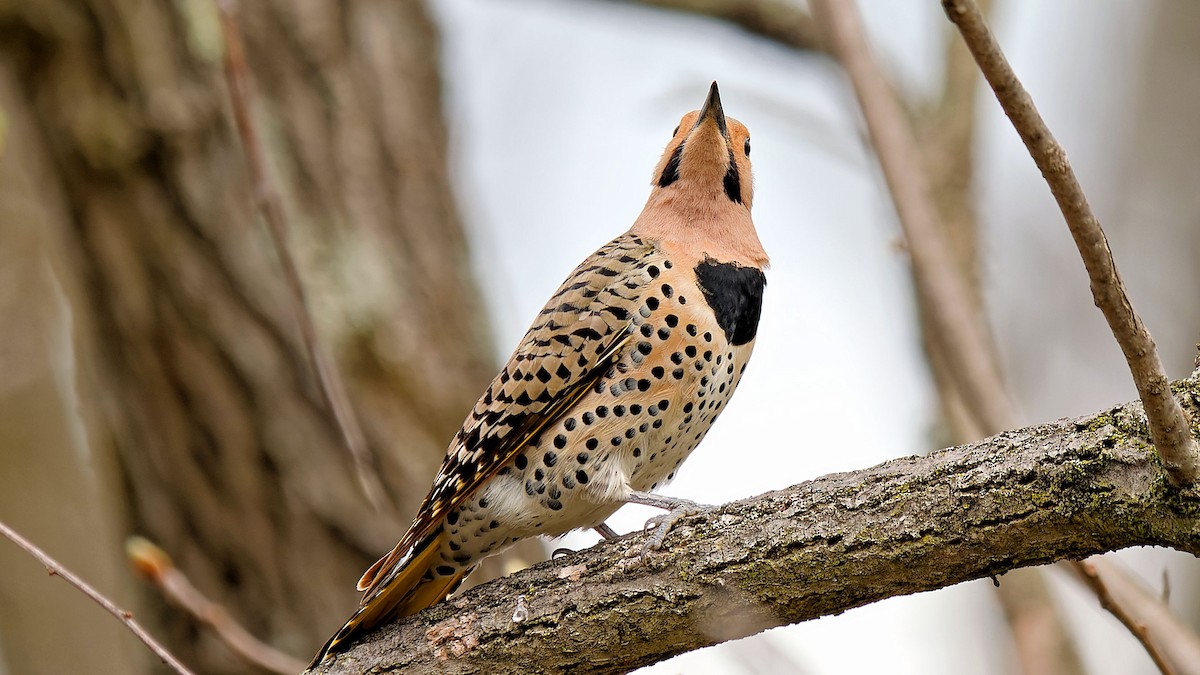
[{"x": 618, "y": 379}]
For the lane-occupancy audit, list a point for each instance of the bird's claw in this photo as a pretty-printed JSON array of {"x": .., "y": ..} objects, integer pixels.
[{"x": 661, "y": 524}]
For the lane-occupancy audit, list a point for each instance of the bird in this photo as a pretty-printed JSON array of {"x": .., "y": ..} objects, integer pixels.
[{"x": 617, "y": 380}]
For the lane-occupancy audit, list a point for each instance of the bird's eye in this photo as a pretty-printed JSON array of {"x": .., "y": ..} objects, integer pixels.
[
  {"x": 675, "y": 132},
  {"x": 747, "y": 147}
]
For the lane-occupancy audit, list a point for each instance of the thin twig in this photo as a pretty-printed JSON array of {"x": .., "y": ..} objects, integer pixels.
[
  {"x": 1177, "y": 448},
  {"x": 1087, "y": 572},
  {"x": 56, "y": 569},
  {"x": 152, "y": 563},
  {"x": 238, "y": 77},
  {"x": 934, "y": 270}
]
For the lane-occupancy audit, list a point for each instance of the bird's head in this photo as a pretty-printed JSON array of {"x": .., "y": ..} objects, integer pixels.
[
  {"x": 700, "y": 203},
  {"x": 708, "y": 156}
]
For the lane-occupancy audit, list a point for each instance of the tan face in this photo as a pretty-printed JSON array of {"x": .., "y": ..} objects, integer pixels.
[
  {"x": 708, "y": 156},
  {"x": 699, "y": 207}
]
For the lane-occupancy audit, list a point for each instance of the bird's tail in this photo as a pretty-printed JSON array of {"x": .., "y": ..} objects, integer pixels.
[{"x": 400, "y": 592}]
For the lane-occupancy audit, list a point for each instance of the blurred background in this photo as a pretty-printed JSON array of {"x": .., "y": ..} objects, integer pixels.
[{"x": 443, "y": 166}]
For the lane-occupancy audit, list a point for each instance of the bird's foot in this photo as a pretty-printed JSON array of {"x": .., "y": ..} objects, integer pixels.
[{"x": 661, "y": 525}]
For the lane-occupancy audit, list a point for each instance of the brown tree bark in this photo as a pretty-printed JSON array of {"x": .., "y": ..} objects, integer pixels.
[{"x": 227, "y": 456}]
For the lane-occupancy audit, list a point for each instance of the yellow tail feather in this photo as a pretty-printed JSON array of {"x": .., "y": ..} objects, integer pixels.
[{"x": 404, "y": 593}]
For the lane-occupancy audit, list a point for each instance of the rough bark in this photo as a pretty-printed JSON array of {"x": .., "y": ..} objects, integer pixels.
[
  {"x": 228, "y": 458},
  {"x": 1027, "y": 497}
]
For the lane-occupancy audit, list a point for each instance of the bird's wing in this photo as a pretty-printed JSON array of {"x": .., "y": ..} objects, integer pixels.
[{"x": 574, "y": 341}]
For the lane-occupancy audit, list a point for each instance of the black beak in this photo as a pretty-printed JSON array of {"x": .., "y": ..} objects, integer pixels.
[{"x": 712, "y": 108}]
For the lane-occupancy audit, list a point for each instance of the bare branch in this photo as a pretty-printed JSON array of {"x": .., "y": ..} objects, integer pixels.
[
  {"x": 1068, "y": 489},
  {"x": 944, "y": 131},
  {"x": 935, "y": 271},
  {"x": 153, "y": 564},
  {"x": 1174, "y": 646},
  {"x": 1086, "y": 571},
  {"x": 56, "y": 569},
  {"x": 333, "y": 389},
  {"x": 1168, "y": 426}
]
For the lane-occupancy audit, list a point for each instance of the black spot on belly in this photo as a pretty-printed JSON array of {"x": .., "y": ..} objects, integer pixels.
[{"x": 735, "y": 295}]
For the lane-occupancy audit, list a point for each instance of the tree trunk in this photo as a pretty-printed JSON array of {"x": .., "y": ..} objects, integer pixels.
[{"x": 228, "y": 457}]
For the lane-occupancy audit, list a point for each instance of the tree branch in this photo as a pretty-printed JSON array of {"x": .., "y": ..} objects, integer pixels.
[
  {"x": 1168, "y": 426},
  {"x": 154, "y": 565},
  {"x": 935, "y": 272},
  {"x": 1173, "y": 645},
  {"x": 57, "y": 569},
  {"x": 781, "y": 21},
  {"x": 1027, "y": 497},
  {"x": 1090, "y": 576}
]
